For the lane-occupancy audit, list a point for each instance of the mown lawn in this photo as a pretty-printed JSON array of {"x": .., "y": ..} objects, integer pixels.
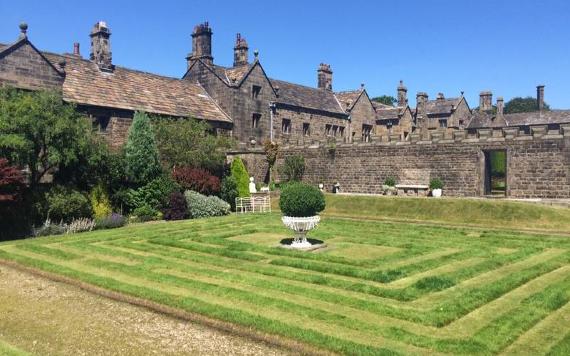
[
  {"x": 460, "y": 211},
  {"x": 8, "y": 350},
  {"x": 379, "y": 288}
]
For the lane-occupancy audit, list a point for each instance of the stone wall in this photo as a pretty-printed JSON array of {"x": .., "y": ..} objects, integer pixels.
[
  {"x": 23, "y": 67},
  {"x": 538, "y": 165}
]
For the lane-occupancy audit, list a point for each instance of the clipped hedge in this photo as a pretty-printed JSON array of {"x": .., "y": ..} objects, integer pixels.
[
  {"x": 201, "y": 206},
  {"x": 301, "y": 200}
]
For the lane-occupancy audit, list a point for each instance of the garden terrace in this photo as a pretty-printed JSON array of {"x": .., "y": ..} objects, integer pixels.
[{"x": 380, "y": 287}]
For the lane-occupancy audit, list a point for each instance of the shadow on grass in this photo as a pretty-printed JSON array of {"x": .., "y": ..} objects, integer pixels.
[{"x": 289, "y": 241}]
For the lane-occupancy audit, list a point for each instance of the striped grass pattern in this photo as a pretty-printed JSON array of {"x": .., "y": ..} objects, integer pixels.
[{"x": 379, "y": 288}]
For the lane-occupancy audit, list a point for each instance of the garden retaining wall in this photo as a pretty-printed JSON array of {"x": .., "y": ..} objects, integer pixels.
[{"x": 538, "y": 164}]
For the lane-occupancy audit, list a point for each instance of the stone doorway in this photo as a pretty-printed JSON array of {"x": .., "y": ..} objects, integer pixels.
[{"x": 495, "y": 173}]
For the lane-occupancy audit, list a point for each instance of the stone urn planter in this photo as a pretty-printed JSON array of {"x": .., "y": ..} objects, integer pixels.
[
  {"x": 300, "y": 204},
  {"x": 301, "y": 225}
]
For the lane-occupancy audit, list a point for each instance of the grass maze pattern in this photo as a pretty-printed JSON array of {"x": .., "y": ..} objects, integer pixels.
[{"x": 380, "y": 288}]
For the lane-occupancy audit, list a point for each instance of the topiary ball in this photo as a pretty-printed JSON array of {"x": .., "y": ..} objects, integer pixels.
[{"x": 301, "y": 200}]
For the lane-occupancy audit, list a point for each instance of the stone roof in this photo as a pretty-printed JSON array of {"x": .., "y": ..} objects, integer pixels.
[
  {"x": 307, "y": 97},
  {"x": 484, "y": 120},
  {"x": 237, "y": 73},
  {"x": 378, "y": 105},
  {"x": 388, "y": 113},
  {"x": 442, "y": 106},
  {"x": 130, "y": 89},
  {"x": 348, "y": 98},
  {"x": 481, "y": 119},
  {"x": 538, "y": 118}
]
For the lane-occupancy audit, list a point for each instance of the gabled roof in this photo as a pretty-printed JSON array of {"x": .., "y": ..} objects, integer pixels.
[
  {"x": 442, "y": 106},
  {"x": 389, "y": 113},
  {"x": 348, "y": 98},
  {"x": 378, "y": 105},
  {"x": 481, "y": 119},
  {"x": 6, "y": 49},
  {"x": 130, "y": 89},
  {"x": 307, "y": 97}
]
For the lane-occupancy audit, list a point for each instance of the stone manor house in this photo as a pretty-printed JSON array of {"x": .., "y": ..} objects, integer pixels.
[{"x": 337, "y": 130}]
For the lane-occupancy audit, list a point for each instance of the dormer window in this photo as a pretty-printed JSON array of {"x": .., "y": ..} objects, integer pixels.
[
  {"x": 443, "y": 123},
  {"x": 255, "y": 90}
]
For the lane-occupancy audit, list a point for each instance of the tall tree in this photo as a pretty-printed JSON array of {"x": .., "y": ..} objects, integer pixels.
[
  {"x": 385, "y": 99},
  {"x": 40, "y": 132},
  {"x": 518, "y": 104},
  {"x": 188, "y": 142},
  {"x": 141, "y": 153}
]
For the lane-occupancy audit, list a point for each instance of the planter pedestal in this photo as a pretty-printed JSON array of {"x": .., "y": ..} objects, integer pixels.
[{"x": 301, "y": 225}]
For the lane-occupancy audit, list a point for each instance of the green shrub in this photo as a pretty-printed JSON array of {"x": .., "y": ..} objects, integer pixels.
[
  {"x": 49, "y": 228},
  {"x": 301, "y": 200},
  {"x": 228, "y": 191},
  {"x": 141, "y": 153},
  {"x": 154, "y": 194},
  {"x": 66, "y": 205},
  {"x": 111, "y": 221},
  {"x": 435, "y": 183},
  {"x": 390, "y": 182},
  {"x": 293, "y": 168},
  {"x": 146, "y": 213},
  {"x": 201, "y": 206},
  {"x": 100, "y": 202},
  {"x": 241, "y": 177}
]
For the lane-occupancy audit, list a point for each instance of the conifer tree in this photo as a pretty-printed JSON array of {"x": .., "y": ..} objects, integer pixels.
[
  {"x": 141, "y": 153},
  {"x": 239, "y": 172}
]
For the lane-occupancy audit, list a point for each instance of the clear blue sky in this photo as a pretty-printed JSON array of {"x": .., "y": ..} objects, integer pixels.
[{"x": 506, "y": 46}]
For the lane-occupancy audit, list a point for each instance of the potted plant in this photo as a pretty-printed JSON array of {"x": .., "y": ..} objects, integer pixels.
[
  {"x": 436, "y": 186},
  {"x": 389, "y": 186},
  {"x": 300, "y": 204}
]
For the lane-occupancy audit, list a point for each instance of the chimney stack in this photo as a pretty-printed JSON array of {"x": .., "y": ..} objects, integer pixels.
[
  {"x": 421, "y": 101},
  {"x": 76, "y": 49},
  {"x": 440, "y": 96},
  {"x": 201, "y": 44},
  {"x": 240, "y": 51},
  {"x": 485, "y": 101},
  {"x": 540, "y": 97},
  {"x": 324, "y": 76},
  {"x": 101, "y": 46},
  {"x": 500, "y": 106},
  {"x": 402, "y": 94}
]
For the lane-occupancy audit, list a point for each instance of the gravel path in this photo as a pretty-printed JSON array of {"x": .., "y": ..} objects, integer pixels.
[{"x": 51, "y": 318}]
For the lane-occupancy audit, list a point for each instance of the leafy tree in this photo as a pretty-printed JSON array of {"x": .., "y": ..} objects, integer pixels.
[
  {"x": 293, "y": 168},
  {"x": 189, "y": 142},
  {"x": 141, "y": 152},
  {"x": 39, "y": 131},
  {"x": 385, "y": 99},
  {"x": 239, "y": 173},
  {"x": 528, "y": 104},
  {"x": 11, "y": 181},
  {"x": 229, "y": 191}
]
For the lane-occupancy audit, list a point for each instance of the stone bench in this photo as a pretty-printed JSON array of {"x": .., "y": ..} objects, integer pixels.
[{"x": 419, "y": 190}]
